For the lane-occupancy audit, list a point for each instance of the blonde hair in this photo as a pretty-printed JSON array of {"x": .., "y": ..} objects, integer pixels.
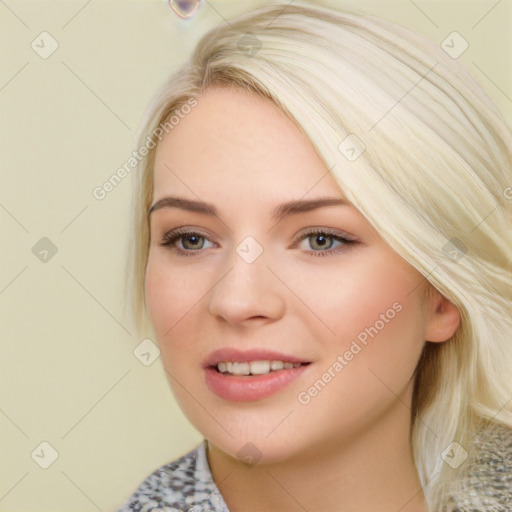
[{"x": 432, "y": 179}]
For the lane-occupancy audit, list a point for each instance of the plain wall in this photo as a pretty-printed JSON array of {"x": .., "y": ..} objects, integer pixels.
[{"x": 69, "y": 376}]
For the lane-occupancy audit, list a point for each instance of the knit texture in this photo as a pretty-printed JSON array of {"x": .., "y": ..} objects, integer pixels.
[
  {"x": 483, "y": 482},
  {"x": 185, "y": 485}
]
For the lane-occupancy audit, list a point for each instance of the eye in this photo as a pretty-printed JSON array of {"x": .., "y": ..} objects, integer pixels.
[
  {"x": 321, "y": 242},
  {"x": 324, "y": 242},
  {"x": 191, "y": 241}
]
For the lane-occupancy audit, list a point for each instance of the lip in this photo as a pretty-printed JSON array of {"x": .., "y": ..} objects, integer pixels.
[{"x": 249, "y": 388}]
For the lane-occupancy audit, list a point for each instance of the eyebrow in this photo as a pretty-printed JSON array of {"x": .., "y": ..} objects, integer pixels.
[{"x": 293, "y": 207}]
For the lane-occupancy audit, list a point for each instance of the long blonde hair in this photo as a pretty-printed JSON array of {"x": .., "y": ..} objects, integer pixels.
[{"x": 428, "y": 162}]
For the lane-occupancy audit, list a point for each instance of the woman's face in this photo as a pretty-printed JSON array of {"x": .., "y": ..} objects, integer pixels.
[{"x": 277, "y": 278}]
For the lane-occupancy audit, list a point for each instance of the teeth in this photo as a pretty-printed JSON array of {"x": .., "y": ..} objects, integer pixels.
[
  {"x": 254, "y": 367},
  {"x": 238, "y": 368},
  {"x": 259, "y": 367},
  {"x": 276, "y": 365}
]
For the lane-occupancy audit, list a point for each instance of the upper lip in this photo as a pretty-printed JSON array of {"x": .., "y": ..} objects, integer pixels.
[{"x": 241, "y": 356}]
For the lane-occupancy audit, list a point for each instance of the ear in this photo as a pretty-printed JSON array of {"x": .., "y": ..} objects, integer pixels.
[{"x": 443, "y": 318}]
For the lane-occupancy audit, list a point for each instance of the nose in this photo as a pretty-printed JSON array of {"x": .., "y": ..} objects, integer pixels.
[{"x": 246, "y": 293}]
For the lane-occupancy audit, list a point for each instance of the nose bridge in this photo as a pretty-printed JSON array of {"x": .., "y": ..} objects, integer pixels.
[{"x": 246, "y": 289}]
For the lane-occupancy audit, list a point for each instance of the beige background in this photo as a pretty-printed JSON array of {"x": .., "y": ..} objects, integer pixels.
[{"x": 69, "y": 374}]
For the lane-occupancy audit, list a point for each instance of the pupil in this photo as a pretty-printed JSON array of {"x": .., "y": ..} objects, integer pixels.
[
  {"x": 192, "y": 240},
  {"x": 320, "y": 241}
]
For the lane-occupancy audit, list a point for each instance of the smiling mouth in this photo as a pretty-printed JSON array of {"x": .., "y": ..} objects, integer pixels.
[
  {"x": 251, "y": 375},
  {"x": 251, "y": 368}
]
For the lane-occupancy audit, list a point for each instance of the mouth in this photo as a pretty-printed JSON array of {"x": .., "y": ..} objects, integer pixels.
[
  {"x": 250, "y": 375},
  {"x": 251, "y": 368}
]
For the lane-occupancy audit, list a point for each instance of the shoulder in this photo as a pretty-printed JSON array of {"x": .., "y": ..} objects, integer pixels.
[
  {"x": 486, "y": 482},
  {"x": 185, "y": 484}
]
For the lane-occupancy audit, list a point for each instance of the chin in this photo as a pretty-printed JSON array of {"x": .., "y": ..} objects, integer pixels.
[{"x": 256, "y": 450}]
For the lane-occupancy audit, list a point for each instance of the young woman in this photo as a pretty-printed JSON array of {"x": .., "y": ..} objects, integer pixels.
[{"x": 323, "y": 248}]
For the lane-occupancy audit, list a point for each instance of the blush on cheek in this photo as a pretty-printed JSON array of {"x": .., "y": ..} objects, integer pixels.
[
  {"x": 382, "y": 331},
  {"x": 366, "y": 319}
]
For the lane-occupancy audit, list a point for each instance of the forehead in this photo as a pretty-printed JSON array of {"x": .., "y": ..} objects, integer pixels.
[{"x": 236, "y": 141}]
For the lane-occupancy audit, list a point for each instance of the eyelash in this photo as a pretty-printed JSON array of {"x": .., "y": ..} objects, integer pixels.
[{"x": 172, "y": 237}]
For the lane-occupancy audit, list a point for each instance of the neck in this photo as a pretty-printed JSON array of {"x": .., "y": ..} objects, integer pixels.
[{"x": 373, "y": 470}]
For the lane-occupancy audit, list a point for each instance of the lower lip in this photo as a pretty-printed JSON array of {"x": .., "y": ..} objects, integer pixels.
[{"x": 250, "y": 388}]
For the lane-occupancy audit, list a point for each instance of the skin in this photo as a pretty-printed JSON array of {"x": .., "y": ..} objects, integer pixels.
[{"x": 348, "y": 448}]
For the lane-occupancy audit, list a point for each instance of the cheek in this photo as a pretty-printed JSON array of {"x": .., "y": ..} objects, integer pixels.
[
  {"x": 392, "y": 340},
  {"x": 171, "y": 294},
  {"x": 359, "y": 295},
  {"x": 373, "y": 306},
  {"x": 378, "y": 319},
  {"x": 160, "y": 296}
]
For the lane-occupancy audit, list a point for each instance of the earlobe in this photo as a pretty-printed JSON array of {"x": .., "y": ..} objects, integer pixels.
[{"x": 443, "y": 318}]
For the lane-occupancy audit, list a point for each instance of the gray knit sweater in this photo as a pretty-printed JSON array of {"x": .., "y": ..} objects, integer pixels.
[{"x": 484, "y": 483}]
